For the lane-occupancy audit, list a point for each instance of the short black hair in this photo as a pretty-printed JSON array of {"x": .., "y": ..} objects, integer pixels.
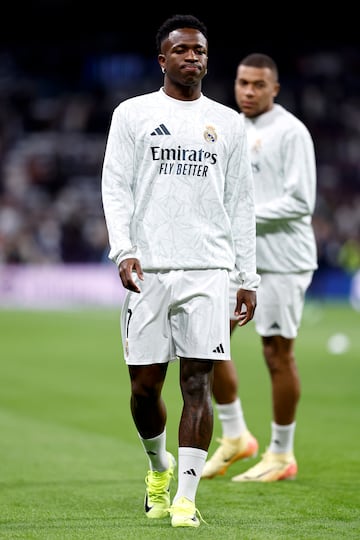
[
  {"x": 178, "y": 21},
  {"x": 260, "y": 60}
]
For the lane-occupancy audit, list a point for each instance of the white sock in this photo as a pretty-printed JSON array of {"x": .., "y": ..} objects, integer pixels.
[
  {"x": 155, "y": 449},
  {"x": 191, "y": 462},
  {"x": 282, "y": 438},
  {"x": 232, "y": 419}
]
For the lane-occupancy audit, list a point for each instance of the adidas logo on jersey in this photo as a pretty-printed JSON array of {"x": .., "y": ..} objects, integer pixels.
[
  {"x": 219, "y": 348},
  {"x": 161, "y": 130},
  {"x": 275, "y": 326}
]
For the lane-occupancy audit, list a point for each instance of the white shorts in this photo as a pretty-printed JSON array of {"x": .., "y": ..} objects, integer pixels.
[
  {"x": 280, "y": 303},
  {"x": 181, "y": 313}
]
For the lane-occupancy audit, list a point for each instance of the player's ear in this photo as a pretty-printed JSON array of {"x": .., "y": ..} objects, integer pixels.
[
  {"x": 161, "y": 60},
  {"x": 276, "y": 89}
]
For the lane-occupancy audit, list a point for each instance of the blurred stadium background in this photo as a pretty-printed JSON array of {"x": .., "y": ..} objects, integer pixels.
[{"x": 64, "y": 71}]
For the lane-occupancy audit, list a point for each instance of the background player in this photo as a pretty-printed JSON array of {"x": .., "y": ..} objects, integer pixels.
[{"x": 283, "y": 162}]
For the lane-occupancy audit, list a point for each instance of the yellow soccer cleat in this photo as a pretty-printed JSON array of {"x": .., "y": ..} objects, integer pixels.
[
  {"x": 184, "y": 514},
  {"x": 157, "y": 494},
  {"x": 229, "y": 451},
  {"x": 271, "y": 468}
]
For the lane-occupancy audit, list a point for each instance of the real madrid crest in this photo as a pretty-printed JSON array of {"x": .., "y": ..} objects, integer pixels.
[
  {"x": 256, "y": 147},
  {"x": 210, "y": 134}
]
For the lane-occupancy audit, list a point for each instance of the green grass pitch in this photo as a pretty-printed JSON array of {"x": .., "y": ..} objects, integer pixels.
[{"x": 71, "y": 465}]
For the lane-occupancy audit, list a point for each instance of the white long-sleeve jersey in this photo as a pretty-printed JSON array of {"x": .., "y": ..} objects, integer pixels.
[
  {"x": 177, "y": 186},
  {"x": 283, "y": 163}
]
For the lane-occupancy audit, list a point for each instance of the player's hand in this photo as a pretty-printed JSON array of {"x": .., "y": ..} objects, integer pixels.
[
  {"x": 126, "y": 269},
  {"x": 245, "y": 306}
]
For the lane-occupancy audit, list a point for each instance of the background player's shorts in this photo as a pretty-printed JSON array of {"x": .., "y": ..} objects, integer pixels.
[
  {"x": 181, "y": 313},
  {"x": 280, "y": 303}
]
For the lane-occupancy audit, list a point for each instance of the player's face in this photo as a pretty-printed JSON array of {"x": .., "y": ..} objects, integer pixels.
[
  {"x": 184, "y": 55},
  {"x": 255, "y": 90}
]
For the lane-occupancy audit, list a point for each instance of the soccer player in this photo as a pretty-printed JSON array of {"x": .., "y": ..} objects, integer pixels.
[
  {"x": 283, "y": 163},
  {"x": 178, "y": 199}
]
